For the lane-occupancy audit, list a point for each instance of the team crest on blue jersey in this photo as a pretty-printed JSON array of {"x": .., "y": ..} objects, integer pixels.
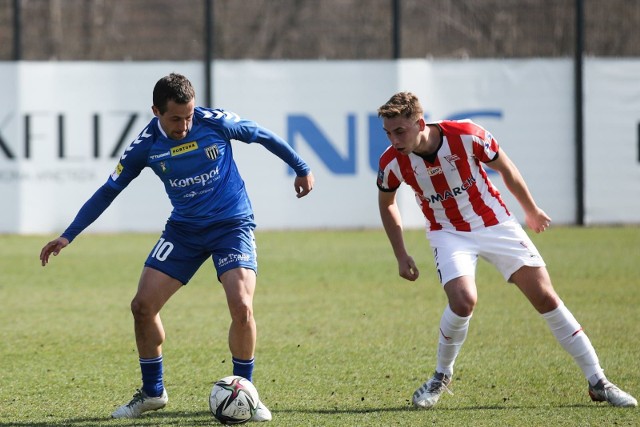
[{"x": 212, "y": 152}]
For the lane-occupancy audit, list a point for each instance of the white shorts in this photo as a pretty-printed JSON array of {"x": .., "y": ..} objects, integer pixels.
[{"x": 507, "y": 246}]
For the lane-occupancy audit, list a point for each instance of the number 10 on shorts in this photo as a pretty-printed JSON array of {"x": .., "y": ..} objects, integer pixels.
[{"x": 162, "y": 250}]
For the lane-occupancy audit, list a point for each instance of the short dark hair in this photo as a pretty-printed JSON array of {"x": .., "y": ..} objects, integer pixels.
[{"x": 174, "y": 87}]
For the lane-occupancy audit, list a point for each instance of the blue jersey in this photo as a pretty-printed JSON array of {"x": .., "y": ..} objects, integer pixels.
[{"x": 199, "y": 173}]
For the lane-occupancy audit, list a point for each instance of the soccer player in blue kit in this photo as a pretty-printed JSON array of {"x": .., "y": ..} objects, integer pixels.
[{"x": 189, "y": 149}]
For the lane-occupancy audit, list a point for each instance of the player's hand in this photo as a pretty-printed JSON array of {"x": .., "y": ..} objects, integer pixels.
[
  {"x": 538, "y": 220},
  {"x": 303, "y": 185},
  {"x": 407, "y": 268},
  {"x": 53, "y": 247}
]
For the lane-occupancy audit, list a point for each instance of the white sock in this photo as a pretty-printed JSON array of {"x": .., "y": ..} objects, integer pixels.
[
  {"x": 453, "y": 332},
  {"x": 572, "y": 338}
]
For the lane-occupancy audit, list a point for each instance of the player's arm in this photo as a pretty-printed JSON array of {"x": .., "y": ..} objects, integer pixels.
[
  {"x": 249, "y": 131},
  {"x": 304, "y": 180},
  {"x": 90, "y": 211},
  {"x": 392, "y": 223},
  {"x": 125, "y": 172},
  {"x": 536, "y": 218}
]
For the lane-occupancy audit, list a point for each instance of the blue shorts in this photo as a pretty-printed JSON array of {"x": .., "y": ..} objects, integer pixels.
[{"x": 181, "y": 249}]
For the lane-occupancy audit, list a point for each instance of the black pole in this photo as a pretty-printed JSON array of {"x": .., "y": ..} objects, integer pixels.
[
  {"x": 208, "y": 49},
  {"x": 396, "y": 29},
  {"x": 17, "y": 31},
  {"x": 579, "y": 121}
]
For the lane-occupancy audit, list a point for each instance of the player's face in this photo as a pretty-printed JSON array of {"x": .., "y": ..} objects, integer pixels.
[
  {"x": 403, "y": 133},
  {"x": 176, "y": 121}
]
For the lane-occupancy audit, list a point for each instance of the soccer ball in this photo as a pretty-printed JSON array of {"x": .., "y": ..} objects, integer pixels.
[{"x": 233, "y": 400}]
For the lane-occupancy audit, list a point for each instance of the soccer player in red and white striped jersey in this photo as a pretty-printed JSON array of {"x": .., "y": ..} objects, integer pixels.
[{"x": 444, "y": 163}]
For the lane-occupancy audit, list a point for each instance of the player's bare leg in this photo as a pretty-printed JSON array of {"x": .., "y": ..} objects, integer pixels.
[
  {"x": 154, "y": 290},
  {"x": 462, "y": 295},
  {"x": 535, "y": 283},
  {"x": 239, "y": 285}
]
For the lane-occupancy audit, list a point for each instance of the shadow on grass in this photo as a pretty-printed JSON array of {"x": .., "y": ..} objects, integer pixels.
[
  {"x": 164, "y": 418},
  {"x": 437, "y": 409},
  {"x": 200, "y": 418}
]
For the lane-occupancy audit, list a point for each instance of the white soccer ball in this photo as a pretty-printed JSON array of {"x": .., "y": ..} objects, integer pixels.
[{"x": 233, "y": 400}]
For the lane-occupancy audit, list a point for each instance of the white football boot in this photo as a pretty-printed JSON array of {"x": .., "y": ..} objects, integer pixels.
[
  {"x": 262, "y": 413},
  {"x": 429, "y": 393},
  {"x": 141, "y": 403},
  {"x": 605, "y": 391}
]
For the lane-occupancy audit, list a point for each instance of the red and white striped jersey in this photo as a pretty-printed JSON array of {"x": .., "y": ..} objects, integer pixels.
[{"x": 451, "y": 187}]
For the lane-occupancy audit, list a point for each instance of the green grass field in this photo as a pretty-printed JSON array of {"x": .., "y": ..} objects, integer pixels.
[{"x": 342, "y": 340}]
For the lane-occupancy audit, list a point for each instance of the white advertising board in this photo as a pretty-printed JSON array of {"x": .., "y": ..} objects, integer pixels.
[
  {"x": 63, "y": 126},
  {"x": 612, "y": 141}
]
